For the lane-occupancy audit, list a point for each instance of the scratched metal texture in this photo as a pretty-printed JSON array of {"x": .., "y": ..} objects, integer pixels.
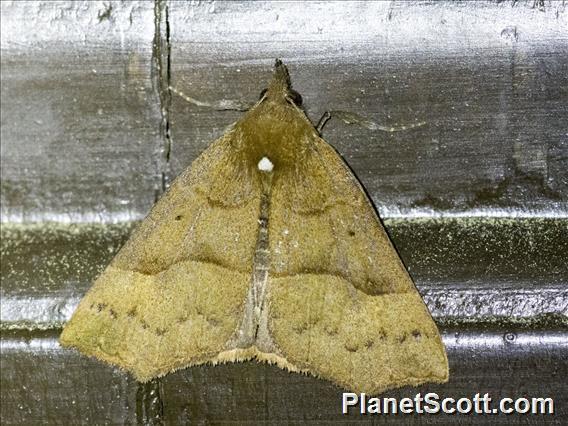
[{"x": 475, "y": 198}]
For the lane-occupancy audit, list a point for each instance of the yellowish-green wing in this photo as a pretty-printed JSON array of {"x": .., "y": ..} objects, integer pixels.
[
  {"x": 341, "y": 304},
  {"x": 174, "y": 296}
]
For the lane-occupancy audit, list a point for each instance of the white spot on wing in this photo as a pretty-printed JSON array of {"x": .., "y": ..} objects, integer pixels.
[{"x": 265, "y": 165}]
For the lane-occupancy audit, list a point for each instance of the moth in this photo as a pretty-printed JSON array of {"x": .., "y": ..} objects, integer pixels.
[{"x": 265, "y": 248}]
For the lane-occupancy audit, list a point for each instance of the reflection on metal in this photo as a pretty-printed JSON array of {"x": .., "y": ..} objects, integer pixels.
[
  {"x": 490, "y": 302},
  {"x": 462, "y": 339},
  {"x": 389, "y": 211},
  {"x": 476, "y": 199}
]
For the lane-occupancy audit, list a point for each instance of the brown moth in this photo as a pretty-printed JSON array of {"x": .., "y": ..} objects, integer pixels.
[{"x": 265, "y": 248}]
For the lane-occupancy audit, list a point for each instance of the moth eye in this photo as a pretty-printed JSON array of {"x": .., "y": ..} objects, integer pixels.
[
  {"x": 295, "y": 97},
  {"x": 262, "y": 93}
]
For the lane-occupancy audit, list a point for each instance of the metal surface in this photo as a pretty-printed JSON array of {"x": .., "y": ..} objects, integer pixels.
[
  {"x": 80, "y": 112},
  {"x": 487, "y": 270},
  {"x": 475, "y": 199}
]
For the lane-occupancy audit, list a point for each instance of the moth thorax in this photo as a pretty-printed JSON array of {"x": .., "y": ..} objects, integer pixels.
[{"x": 265, "y": 165}]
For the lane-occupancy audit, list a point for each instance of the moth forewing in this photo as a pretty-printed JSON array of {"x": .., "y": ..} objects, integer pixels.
[{"x": 266, "y": 247}]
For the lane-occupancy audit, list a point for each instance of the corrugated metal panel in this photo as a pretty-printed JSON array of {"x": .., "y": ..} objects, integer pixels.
[{"x": 476, "y": 199}]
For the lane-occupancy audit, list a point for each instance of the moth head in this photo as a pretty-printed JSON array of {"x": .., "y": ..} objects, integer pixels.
[
  {"x": 280, "y": 87},
  {"x": 275, "y": 132}
]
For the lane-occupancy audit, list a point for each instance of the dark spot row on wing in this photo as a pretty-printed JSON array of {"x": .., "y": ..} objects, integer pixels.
[
  {"x": 382, "y": 335},
  {"x": 369, "y": 343},
  {"x": 132, "y": 314}
]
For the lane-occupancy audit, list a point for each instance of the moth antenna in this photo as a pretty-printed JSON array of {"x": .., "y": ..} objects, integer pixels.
[
  {"x": 222, "y": 105},
  {"x": 353, "y": 118},
  {"x": 374, "y": 126}
]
